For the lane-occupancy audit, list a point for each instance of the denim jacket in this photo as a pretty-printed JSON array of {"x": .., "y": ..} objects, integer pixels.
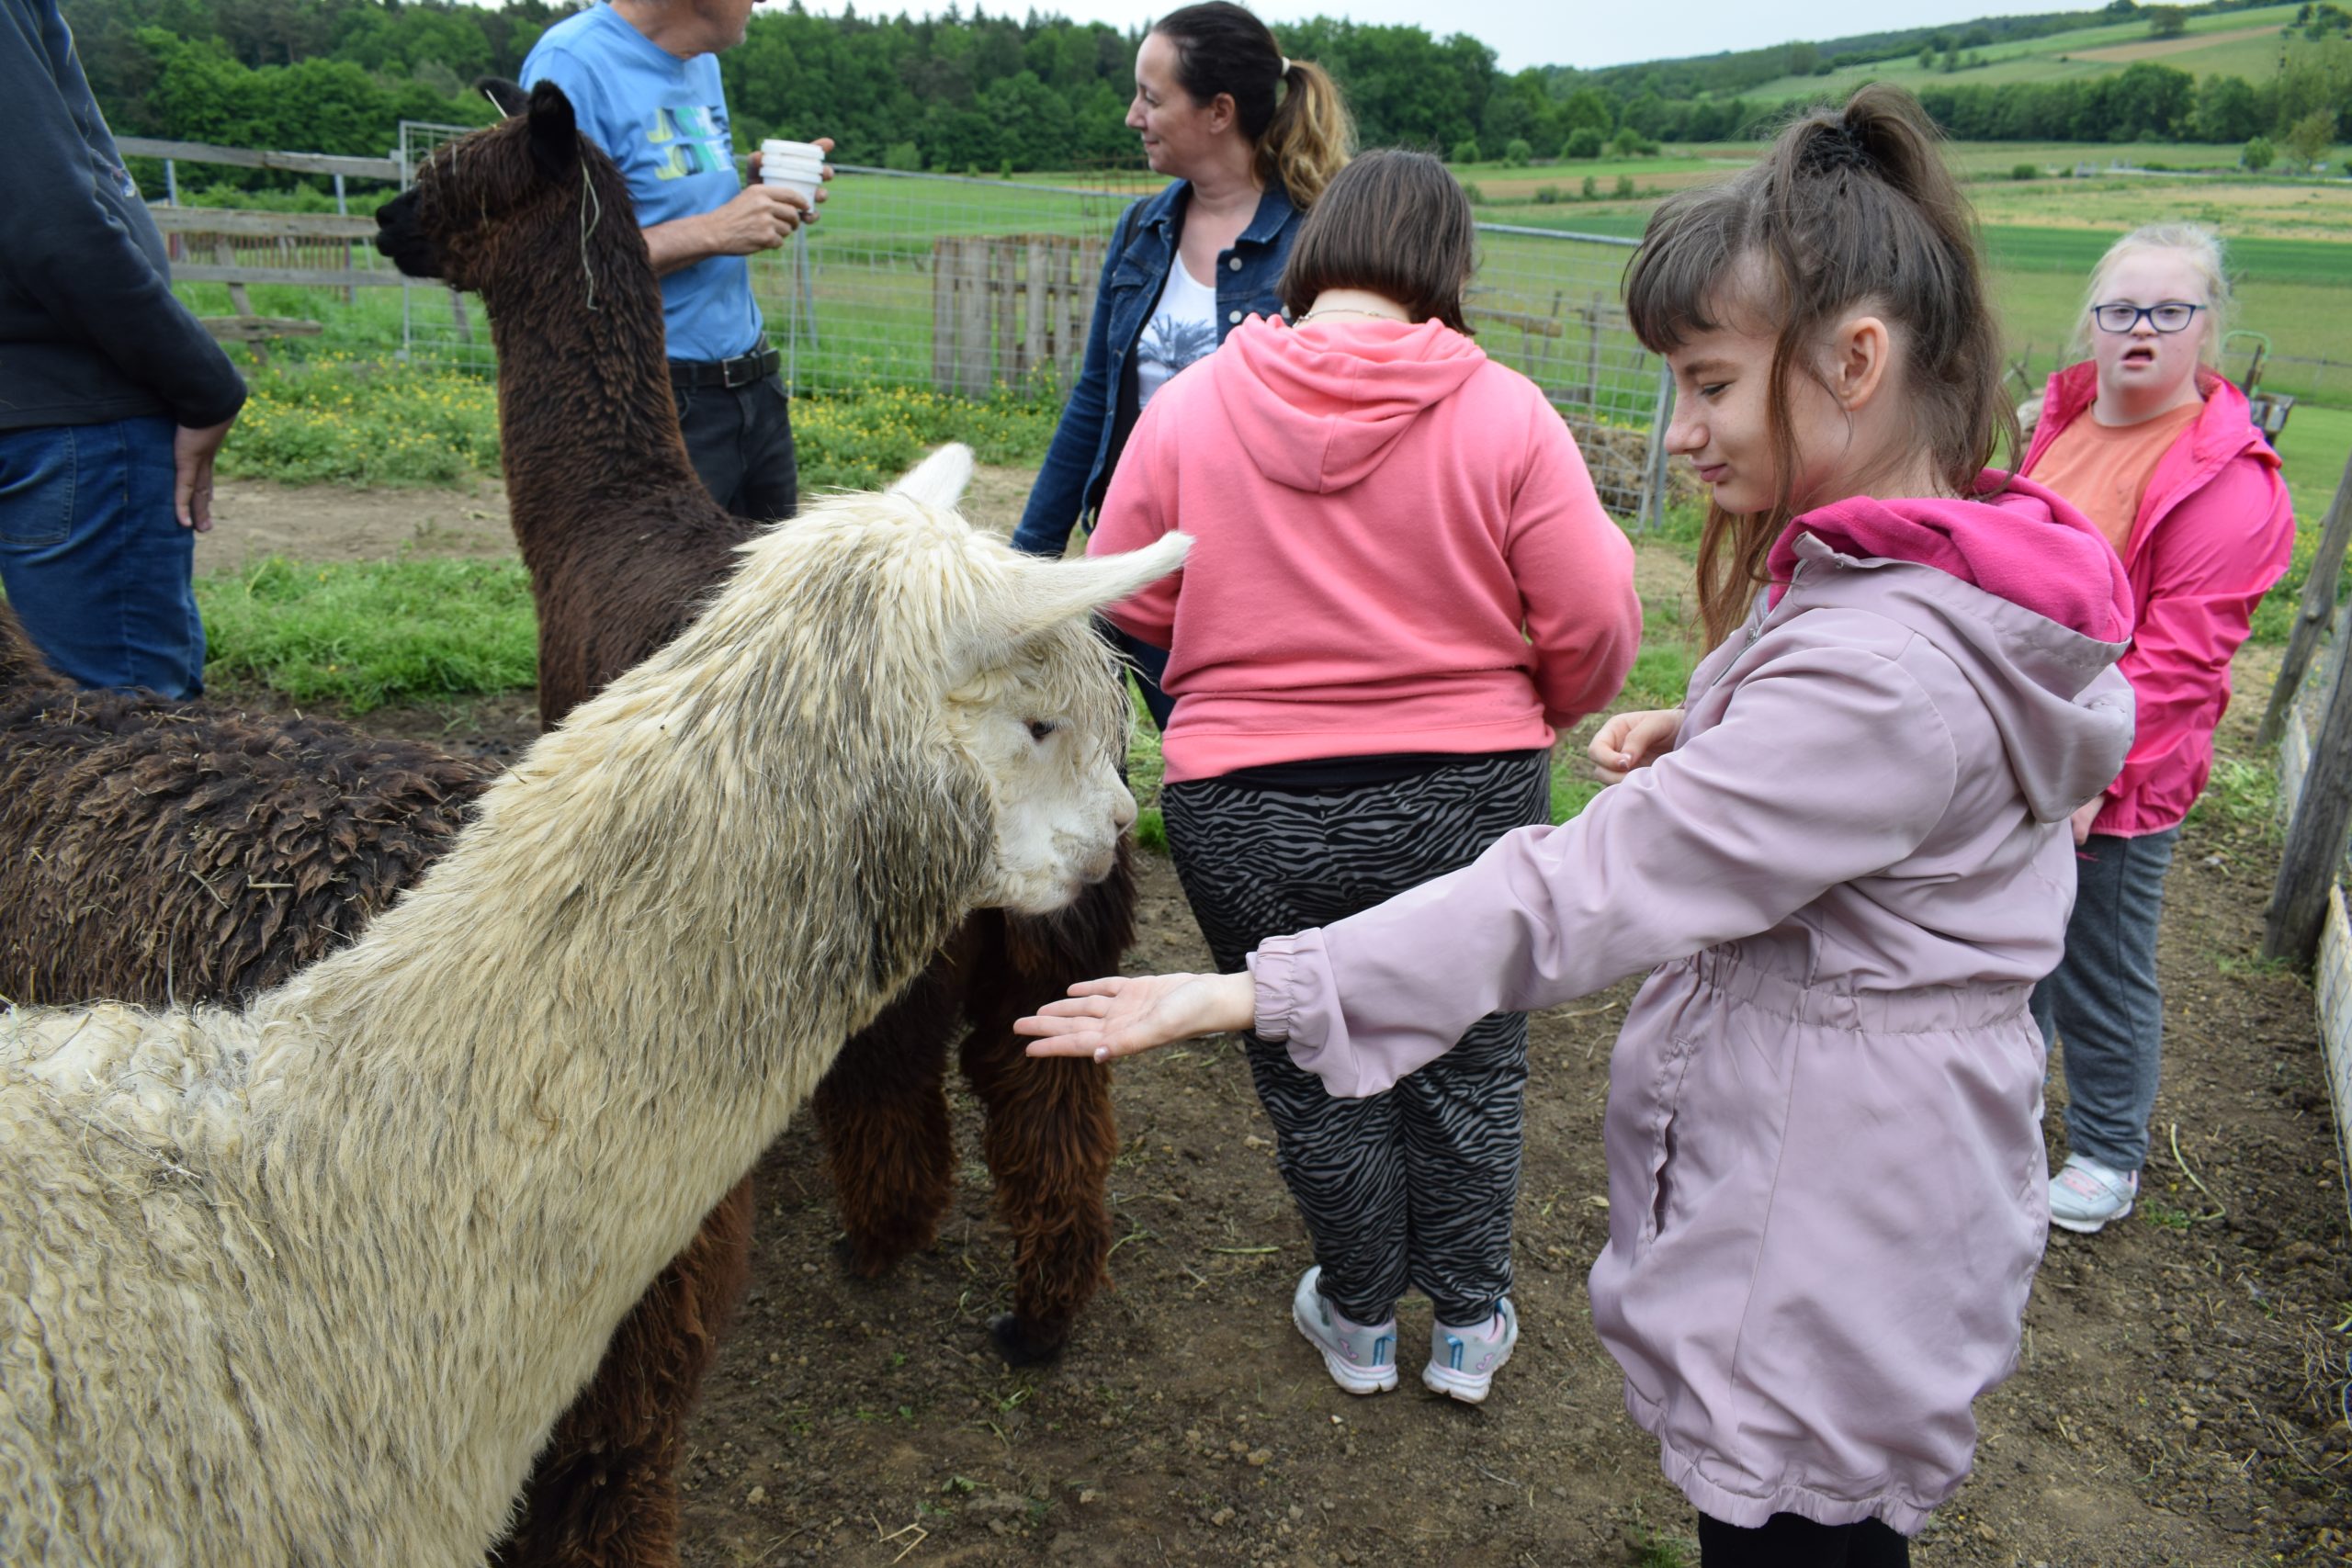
[{"x": 1102, "y": 405}]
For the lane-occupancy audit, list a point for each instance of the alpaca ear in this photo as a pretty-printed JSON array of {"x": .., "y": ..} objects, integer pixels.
[
  {"x": 939, "y": 479},
  {"x": 555, "y": 132},
  {"x": 1047, "y": 593},
  {"x": 508, "y": 97}
]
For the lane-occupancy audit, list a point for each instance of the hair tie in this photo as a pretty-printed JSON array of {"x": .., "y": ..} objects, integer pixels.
[
  {"x": 1285, "y": 70},
  {"x": 1837, "y": 150}
]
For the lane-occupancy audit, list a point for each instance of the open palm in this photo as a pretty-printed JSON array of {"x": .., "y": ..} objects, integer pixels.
[{"x": 1124, "y": 1014}]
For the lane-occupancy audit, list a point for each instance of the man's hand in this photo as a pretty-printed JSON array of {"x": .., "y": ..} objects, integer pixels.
[
  {"x": 1104, "y": 1018},
  {"x": 192, "y": 453},
  {"x": 2084, "y": 815}
]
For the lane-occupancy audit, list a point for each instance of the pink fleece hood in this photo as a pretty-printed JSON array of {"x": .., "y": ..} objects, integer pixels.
[
  {"x": 2015, "y": 539},
  {"x": 1328, "y": 406}
]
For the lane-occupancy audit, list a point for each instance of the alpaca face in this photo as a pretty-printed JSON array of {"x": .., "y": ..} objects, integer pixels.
[
  {"x": 448, "y": 225},
  {"x": 1050, "y": 748},
  {"x": 1035, "y": 701}
]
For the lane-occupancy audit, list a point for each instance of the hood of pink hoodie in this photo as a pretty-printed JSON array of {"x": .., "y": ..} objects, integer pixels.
[
  {"x": 2020, "y": 589},
  {"x": 2015, "y": 539},
  {"x": 1323, "y": 408}
]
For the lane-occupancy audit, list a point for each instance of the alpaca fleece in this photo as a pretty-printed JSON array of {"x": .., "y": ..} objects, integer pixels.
[
  {"x": 309, "y": 1282},
  {"x": 622, "y": 542}
]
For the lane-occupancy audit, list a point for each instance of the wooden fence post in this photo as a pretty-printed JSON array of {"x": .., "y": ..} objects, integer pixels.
[
  {"x": 2314, "y": 848},
  {"x": 2318, "y": 607}
]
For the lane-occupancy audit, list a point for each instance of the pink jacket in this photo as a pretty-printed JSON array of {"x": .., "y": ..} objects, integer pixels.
[
  {"x": 1395, "y": 549},
  {"x": 1827, "y": 1189},
  {"x": 2214, "y": 532}
]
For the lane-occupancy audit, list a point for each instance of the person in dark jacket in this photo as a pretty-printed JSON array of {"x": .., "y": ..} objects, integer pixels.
[
  {"x": 114, "y": 400},
  {"x": 1251, "y": 139}
]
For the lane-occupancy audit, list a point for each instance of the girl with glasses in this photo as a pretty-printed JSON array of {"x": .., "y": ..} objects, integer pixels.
[{"x": 2156, "y": 448}]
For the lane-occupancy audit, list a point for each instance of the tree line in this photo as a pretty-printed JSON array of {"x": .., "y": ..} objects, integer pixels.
[{"x": 987, "y": 91}]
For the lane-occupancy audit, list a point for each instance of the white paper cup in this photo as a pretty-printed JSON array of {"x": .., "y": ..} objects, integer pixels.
[{"x": 793, "y": 165}]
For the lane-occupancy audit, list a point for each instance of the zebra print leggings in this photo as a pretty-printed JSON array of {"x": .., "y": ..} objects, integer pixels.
[{"x": 1413, "y": 1188}]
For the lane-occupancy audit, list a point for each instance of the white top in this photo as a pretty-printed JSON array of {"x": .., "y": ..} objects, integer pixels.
[{"x": 1183, "y": 328}]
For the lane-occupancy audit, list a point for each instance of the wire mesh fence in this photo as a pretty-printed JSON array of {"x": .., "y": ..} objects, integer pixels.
[{"x": 978, "y": 288}]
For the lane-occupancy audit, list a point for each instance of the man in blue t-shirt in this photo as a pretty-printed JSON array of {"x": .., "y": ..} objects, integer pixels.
[{"x": 642, "y": 80}]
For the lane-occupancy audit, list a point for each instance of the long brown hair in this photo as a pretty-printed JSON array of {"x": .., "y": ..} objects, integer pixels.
[
  {"x": 1851, "y": 206},
  {"x": 1304, "y": 138}
]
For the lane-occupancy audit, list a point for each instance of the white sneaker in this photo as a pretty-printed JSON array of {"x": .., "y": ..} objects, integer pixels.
[
  {"x": 2085, "y": 1194},
  {"x": 1359, "y": 1359},
  {"x": 1462, "y": 1360}
]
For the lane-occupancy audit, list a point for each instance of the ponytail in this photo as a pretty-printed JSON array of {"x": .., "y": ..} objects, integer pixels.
[
  {"x": 1850, "y": 208},
  {"x": 1312, "y": 135},
  {"x": 1303, "y": 140}
]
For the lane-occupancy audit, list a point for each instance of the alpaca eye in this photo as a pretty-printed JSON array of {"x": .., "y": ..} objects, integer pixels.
[{"x": 1041, "y": 727}]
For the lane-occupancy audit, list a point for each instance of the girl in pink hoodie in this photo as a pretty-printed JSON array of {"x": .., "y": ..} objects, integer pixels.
[
  {"x": 2158, "y": 451},
  {"x": 1844, "y": 862}
]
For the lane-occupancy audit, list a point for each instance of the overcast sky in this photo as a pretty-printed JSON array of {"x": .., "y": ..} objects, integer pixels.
[{"x": 1548, "y": 32}]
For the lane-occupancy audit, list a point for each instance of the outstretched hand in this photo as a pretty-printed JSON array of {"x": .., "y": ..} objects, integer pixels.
[{"x": 1122, "y": 1015}]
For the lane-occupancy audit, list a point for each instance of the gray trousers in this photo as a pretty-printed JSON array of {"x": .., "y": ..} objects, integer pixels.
[{"x": 2102, "y": 1002}]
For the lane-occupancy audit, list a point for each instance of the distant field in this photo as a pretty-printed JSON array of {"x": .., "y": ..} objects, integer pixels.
[
  {"x": 2250, "y": 213},
  {"x": 2238, "y": 43}
]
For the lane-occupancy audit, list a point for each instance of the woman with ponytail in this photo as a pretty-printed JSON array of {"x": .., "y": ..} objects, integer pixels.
[
  {"x": 1249, "y": 140},
  {"x": 1844, "y": 862}
]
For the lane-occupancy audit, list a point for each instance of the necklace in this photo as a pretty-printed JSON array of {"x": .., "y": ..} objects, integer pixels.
[{"x": 1348, "y": 310}]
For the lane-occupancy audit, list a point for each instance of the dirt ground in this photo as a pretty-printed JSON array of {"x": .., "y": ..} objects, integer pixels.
[{"x": 2182, "y": 1396}]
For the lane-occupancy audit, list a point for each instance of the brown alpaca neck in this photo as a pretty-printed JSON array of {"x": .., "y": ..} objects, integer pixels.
[{"x": 586, "y": 415}]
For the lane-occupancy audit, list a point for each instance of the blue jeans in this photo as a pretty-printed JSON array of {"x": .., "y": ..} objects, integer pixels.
[
  {"x": 94, "y": 563},
  {"x": 2102, "y": 1001}
]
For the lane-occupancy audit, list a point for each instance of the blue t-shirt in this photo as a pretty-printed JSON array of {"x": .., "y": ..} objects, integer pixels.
[{"x": 663, "y": 120}]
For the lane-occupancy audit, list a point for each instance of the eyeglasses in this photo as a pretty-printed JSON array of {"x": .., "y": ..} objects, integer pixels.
[{"x": 2171, "y": 316}]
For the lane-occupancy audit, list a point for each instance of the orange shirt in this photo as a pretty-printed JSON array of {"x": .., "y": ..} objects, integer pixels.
[{"x": 2104, "y": 469}]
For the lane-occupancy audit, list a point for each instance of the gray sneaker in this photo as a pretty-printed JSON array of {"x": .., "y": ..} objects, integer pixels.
[
  {"x": 1462, "y": 1360},
  {"x": 1361, "y": 1360},
  {"x": 2085, "y": 1195}
]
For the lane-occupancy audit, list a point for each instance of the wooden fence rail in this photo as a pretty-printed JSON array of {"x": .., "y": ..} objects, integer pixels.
[{"x": 251, "y": 158}]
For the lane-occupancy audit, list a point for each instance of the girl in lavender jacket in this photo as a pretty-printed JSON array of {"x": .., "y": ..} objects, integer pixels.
[{"x": 1844, "y": 862}]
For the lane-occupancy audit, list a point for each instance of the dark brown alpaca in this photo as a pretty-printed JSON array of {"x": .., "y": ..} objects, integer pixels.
[
  {"x": 156, "y": 850},
  {"x": 622, "y": 541}
]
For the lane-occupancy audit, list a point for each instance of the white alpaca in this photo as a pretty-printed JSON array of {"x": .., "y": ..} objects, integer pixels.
[{"x": 308, "y": 1283}]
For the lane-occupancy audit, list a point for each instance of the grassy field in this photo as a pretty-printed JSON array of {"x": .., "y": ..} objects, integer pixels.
[{"x": 2237, "y": 43}]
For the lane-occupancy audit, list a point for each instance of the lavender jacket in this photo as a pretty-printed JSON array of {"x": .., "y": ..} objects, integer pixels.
[{"x": 1826, "y": 1184}]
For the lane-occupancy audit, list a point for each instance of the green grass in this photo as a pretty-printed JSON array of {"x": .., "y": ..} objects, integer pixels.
[
  {"x": 367, "y": 634},
  {"x": 2058, "y": 57},
  {"x": 333, "y": 420},
  {"x": 2314, "y": 263},
  {"x": 337, "y": 421}
]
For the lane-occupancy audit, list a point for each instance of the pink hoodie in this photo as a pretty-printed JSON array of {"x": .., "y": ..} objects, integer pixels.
[
  {"x": 1826, "y": 1187},
  {"x": 2214, "y": 531},
  {"x": 1396, "y": 548}
]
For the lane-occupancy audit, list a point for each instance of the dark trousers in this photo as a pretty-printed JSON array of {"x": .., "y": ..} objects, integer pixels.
[
  {"x": 1788, "y": 1540},
  {"x": 1413, "y": 1188},
  {"x": 2101, "y": 1003},
  {"x": 740, "y": 440}
]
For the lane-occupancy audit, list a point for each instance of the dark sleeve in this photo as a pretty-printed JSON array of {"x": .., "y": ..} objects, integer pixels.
[
  {"x": 79, "y": 261},
  {"x": 1059, "y": 493}
]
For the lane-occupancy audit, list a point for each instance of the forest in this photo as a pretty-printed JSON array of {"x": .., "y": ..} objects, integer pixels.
[{"x": 978, "y": 91}]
